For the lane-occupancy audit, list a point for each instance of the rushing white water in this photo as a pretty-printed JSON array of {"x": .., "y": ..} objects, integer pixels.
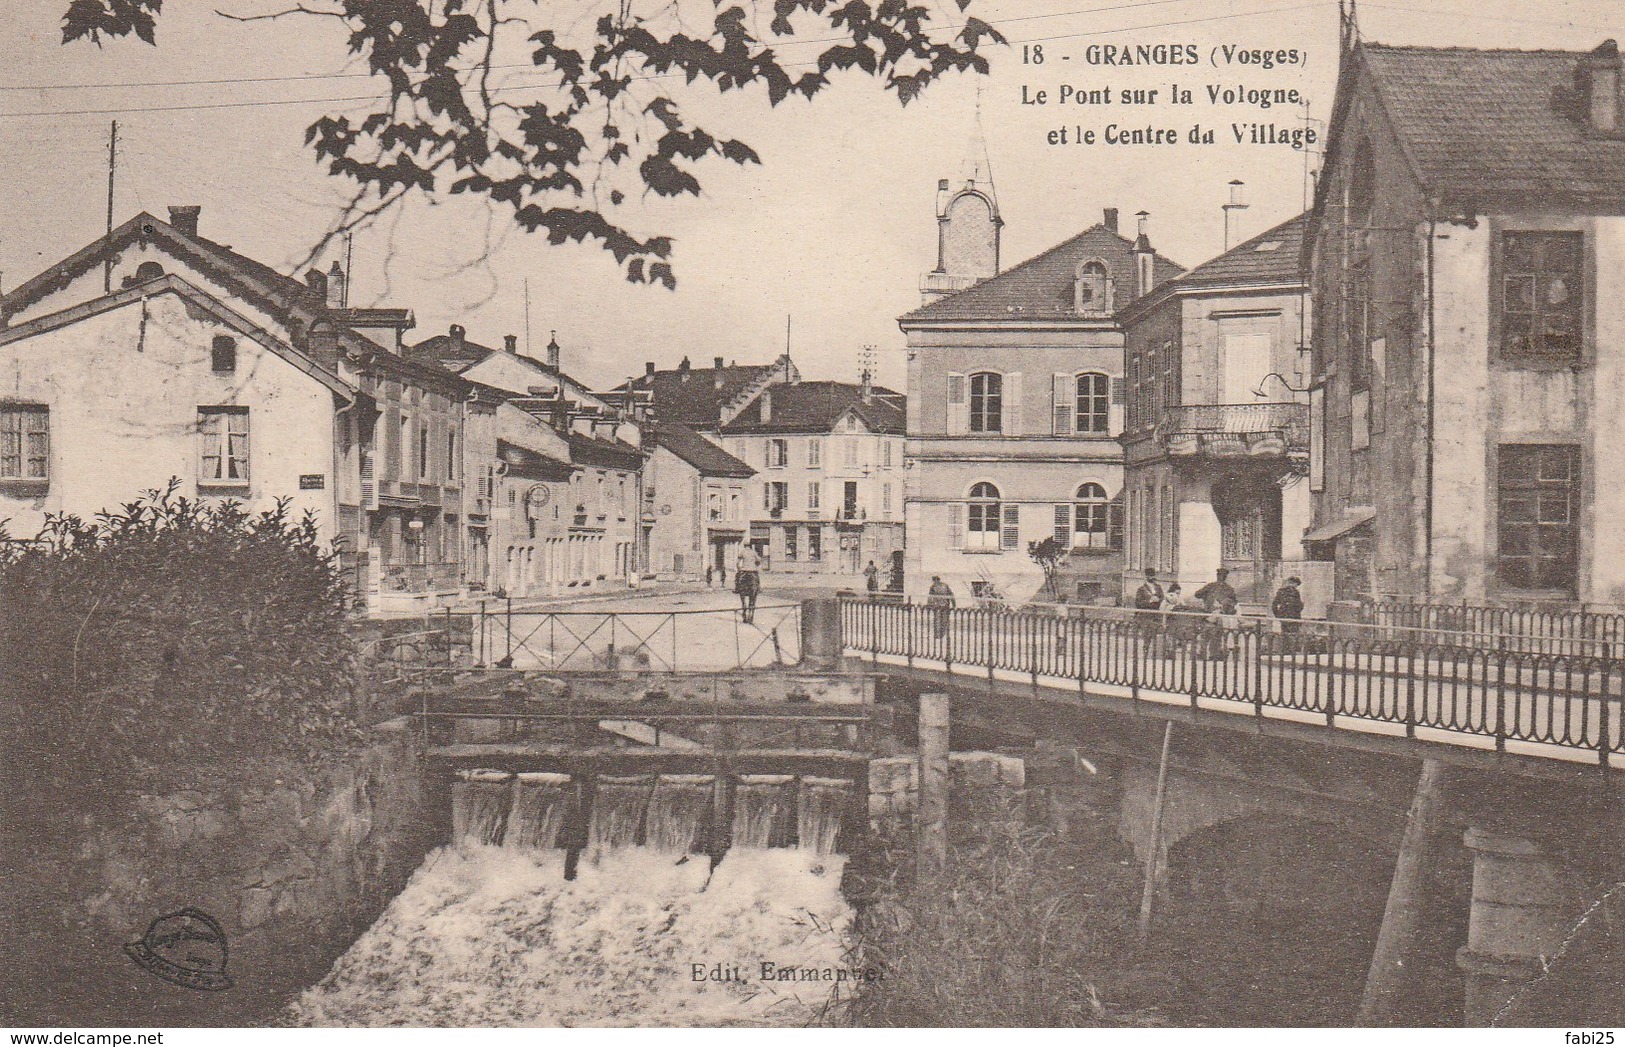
[
  {"x": 490, "y": 933},
  {"x": 495, "y": 936}
]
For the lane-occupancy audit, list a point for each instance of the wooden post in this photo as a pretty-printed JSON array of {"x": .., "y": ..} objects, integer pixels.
[
  {"x": 931, "y": 831},
  {"x": 1156, "y": 832}
]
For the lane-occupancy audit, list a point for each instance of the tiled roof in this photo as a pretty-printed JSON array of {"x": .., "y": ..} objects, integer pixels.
[
  {"x": 609, "y": 454},
  {"x": 458, "y": 355},
  {"x": 532, "y": 465},
  {"x": 292, "y": 300},
  {"x": 699, "y": 452},
  {"x": 1493, "y": 128},
  {"x": 695, "y": 396},
  {"x": 1041, "y": 288},
  {"x": 816, "y": 407},
  {"x": 1272, "y": 256}
]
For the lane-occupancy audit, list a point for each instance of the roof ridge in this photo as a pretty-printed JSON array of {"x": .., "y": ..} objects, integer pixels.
[{"x": 1458, "y": 49}]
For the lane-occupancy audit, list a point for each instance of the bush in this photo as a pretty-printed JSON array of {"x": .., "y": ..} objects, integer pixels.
[
  {"x": 170, "y": 633},
  {"x": 1010, "y": 934}
]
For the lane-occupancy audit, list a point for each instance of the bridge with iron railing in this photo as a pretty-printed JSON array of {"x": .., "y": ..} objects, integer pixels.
[{"x": 1412, "y": 685}]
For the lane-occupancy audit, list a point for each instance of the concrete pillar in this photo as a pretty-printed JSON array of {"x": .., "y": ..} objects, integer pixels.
[
  {"x": 1296, "y": 513},
  {"x": 1522, "y": 909},
  {"x": 1405, "y": 918},
  {"x": 931, "y": 831},
  {"x": 1199, "y": 540},
  {"x": 821, "y": 633}
]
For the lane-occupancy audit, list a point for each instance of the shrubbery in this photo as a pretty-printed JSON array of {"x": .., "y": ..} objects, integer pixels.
[{"x": 169, "y": 633}]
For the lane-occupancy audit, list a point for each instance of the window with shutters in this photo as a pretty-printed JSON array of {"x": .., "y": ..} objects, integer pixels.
[
  {"x": 1011, "y": 535},
  {"x": 885, "y": 453},
  {"x": 815, "y": 545},
  {"x": 983, "y": 517},
  {"x": 815, "y": 454},
  {"x": 986, "y": 402},
  {"x": 1064, "y": 400},
  {"x": 1538, "y": 501},
  {"x": 1090, "y": 517},
  {"x": 885, "y": 499},
  {"x": 25, "y": 443},
  {"x": 791, "y": 552},
  {"x": 958, "y": 420},
  {"x": 1541, "y": 295},
  {"x": 778, "y": 453},
  {"x": 223, "y": 446},
  {"x": 1093, "y": 403},
  {"x": 1114, "y": 524},
  {"x": 814, "y": 489},
  {"x": 1170, "y": 376}
]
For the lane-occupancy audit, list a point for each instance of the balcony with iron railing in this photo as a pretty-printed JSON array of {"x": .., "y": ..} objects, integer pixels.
[{"x": 1235, "y": 430}]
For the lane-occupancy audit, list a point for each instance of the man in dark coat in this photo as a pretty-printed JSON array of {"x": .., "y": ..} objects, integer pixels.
[{"x": 1287, "y": 607}]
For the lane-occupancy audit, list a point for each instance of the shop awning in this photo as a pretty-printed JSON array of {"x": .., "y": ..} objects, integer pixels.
[{"x": 1351, "y": 519}]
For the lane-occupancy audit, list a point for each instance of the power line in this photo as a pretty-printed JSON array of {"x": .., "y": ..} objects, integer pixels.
[{"x": 199, "y": 106}]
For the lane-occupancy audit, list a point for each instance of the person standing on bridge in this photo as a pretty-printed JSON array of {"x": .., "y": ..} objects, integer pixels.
[
  {"x": 1149, "y": 597},
  {"x": 1287, "y": 607},
  {"x": 941, "y": 599},
  {"x": 747, "y": 582},
  {"x": 1221, "y": 603}
]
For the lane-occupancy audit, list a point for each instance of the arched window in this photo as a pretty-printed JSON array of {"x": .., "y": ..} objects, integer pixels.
[
  {"x": 986, "y": 402},
  {"x": 982, "y": 518},
  {"x": 223, "y": 355},
  {"x": 1093, "y": 288},
  {"x": 1094, "y": 401},
  {"x": 1090, "y": 514}
]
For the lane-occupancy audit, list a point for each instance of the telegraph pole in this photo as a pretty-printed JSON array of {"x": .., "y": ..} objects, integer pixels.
[{"x": 112, "y": 166}]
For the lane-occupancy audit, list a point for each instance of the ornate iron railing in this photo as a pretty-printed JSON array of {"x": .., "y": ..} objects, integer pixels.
[
  {"x": 1419, "y": 685},
  {"x": 1528, "y": 630}
]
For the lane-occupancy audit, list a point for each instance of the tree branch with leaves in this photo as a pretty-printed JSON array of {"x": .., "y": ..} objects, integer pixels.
[{"x": 452, "y": 122}]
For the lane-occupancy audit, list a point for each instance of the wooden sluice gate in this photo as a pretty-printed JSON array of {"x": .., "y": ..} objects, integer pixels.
[{"x": 696, "y": 762}]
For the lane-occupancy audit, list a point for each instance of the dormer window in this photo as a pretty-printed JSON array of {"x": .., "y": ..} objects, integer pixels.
[
  {"x": 148, "y": 271},
  {"x": 1092, "y": 289}
]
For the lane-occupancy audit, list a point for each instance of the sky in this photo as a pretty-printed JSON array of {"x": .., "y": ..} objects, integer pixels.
[{"x": 832, "y": 230}]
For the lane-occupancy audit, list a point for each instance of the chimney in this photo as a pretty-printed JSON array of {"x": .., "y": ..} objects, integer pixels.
[
  {"x": 1602, "y": 68},
  {"x": 553, "y": 350},
  {"x": 765, "y": 405},
  {"x": 185, "y": 218},
  {"x": 868, "y": 387},
  {"x": 559, "y": 412},
  {"x": 717, "y": 367},
  {"x": 317, "y": 281},
  {"x": 337, "y": 294},
  {"x": 1144, "y": 258},
  {"x": 458, "y": 336},
  {"x": 1110, "y": 219},
  {"x": 649, "y": 368},
  {"x": 510, "y": 343}
]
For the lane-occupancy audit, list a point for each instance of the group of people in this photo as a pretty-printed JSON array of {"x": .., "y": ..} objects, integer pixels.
[{"x": 1217, "y": 600}]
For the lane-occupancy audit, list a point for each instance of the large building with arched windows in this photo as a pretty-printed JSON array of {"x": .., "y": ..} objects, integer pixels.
[{"x": 1015, "y": 403}]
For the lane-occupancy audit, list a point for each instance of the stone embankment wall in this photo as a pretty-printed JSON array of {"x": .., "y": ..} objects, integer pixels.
[
  {"x": 293, "y": 868},
  {"x": 975, "y": 779}
]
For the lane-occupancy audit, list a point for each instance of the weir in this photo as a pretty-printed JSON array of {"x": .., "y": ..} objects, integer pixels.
[{"x": 673, "y": 813}]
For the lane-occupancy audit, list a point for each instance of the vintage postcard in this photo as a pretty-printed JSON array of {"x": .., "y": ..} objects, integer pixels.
[{"x": 833, "y": 514}]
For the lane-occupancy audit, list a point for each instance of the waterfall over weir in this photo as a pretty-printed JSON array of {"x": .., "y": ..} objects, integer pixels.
[
  {"x": 491, "y": 932},
  {"x": 680, "y": 813}
]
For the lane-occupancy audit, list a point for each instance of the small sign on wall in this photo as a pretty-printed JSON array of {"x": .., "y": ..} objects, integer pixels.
[{"x": 312, "y": 481}]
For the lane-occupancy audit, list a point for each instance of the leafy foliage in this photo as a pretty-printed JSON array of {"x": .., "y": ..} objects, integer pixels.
[
  {"x": 169, "y": 633},
  {"x": 90, "y": 19},
  {"x": 1048, "y": 554},
  {"x": 604, "y": 125}
]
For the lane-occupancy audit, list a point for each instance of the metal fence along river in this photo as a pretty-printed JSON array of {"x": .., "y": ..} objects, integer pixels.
[{"x": 1411, "y": 683}]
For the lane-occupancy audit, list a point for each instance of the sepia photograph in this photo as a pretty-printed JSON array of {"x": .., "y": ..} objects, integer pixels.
[{"x": 811, "y": 514}]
